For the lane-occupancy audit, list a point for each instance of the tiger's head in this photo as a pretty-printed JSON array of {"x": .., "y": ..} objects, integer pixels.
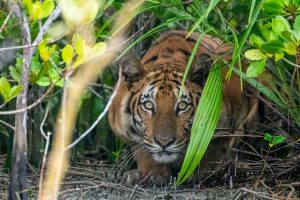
[{"x": 152, "y": 115}]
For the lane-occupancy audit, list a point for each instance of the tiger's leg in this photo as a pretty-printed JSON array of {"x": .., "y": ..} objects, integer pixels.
[{"x": 147, "y": 171}]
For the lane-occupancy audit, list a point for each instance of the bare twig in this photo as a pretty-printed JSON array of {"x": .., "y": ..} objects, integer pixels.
[
  {"x": 7, "y": 124},
  {"x": 44, "y": 163},
  {"x": 12, "y": 112},
  {"x": 43, "y": 122},
  {"x": 99, "y": 117},
  {"x": 291, "y": 63},
  {"x": 6, "y": 20}
]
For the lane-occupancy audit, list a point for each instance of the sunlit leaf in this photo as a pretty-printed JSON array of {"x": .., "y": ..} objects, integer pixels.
[
  {"x": 78, "y": 44},
  {"x": 67, "y": 54},
  {"x": 4, "y": 88},
  {"x": 44, "y": 50},
  {"x": 79, "y": 12},
  {"x": 36, "y": 10},
  {"x": 254, "y": 54},
  {"x": 47, "y": 7}
]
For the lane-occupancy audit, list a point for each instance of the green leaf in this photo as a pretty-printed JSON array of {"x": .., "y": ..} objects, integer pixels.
[
  {"x": 265, "y": 30},
  {"x": 297, "y": 28},
  {"x": 273, "y": 7},
  {"x": 4, "y": 88},
  {"x": 204, "y": 125},
  {"x": 44, "y": 81},
  {"x": 15, "y": 91},
  {"x": 279, "y": 25},
  {"x": 47, "y": 8},
  {"x": 273, "y": 46},
  {"x": 254, "y": 54},
  {"x": 15, "y": 73},
  {"x": 256, "y": 68},
  {"x": 268, "y": 137},
  {"x": 278, "y": 139},
  {"x": 256, "y": 41},
  {"x": 67, "y": 54}
]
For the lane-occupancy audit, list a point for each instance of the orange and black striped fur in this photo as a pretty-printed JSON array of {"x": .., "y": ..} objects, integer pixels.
[{"x": 146, "y": 111}]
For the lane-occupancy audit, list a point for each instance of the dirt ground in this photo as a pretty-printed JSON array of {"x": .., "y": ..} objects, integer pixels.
[{"x": 93, "y": 179}]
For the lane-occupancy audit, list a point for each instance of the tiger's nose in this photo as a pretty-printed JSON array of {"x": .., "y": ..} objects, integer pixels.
[{"x": 164, "y": 141}]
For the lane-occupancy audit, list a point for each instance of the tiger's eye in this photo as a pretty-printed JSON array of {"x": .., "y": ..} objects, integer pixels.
[
  {"x": 148, "y": 105},
  {"x": 182, "y": 105}
]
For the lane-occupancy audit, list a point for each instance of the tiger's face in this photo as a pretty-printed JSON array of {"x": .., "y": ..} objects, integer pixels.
[{"x": 159, "y": 120}]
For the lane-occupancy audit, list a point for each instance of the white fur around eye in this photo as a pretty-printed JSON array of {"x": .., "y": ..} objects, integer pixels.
[
  {"x": 182, "y": 105},
  {"x": 148, "y": 105}
]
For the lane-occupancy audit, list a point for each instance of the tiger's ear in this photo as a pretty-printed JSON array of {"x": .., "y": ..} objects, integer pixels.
[
  {"x": 200, "y": 69},
  {"x": 131, "y": 68}
]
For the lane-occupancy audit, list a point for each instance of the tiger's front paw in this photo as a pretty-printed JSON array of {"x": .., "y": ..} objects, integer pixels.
[
  {"x": 132, "y": 177},
  {"x": 154, "y": 177}
]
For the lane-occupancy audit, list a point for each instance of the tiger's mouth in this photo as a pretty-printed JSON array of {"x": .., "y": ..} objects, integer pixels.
[{"x": 164, "y": 156}]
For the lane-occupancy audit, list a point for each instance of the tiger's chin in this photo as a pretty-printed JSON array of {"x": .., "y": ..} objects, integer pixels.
[{"x": 165, "y": 157}]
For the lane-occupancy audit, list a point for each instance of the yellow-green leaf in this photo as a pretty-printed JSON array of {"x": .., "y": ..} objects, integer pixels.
[
  {"x": 79, "y": 12},
  {"x": 36, "y": 11},
  {"x": 97, "y": 50},
  {"x": 278, "y": 56},
  {"x": 254, "y": 54},
  {"x": 44, "y": 50},
  {"x": 4, "y": 88},
  {"x": 78, "y": 44},
  {"x": 67, "y": 54},
  {"x": 15, "y": 91},
  {"x": 47, "y": 8}
]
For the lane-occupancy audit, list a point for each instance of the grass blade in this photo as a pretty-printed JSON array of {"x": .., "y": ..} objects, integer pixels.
[
  {"x": 211, "y": 6},
  {"x": 204, "y": 125}
]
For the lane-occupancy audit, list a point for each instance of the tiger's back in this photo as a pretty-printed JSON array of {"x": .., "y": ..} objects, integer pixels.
[{"x": 147, "y": 113}]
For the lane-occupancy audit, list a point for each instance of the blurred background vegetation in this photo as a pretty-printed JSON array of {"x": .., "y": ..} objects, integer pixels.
[{"x": 264, "y": 33}]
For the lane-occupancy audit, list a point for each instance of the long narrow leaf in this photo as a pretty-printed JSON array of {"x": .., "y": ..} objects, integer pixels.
[
  {"x": 211, "y": 6},
  {"x": 205, "y": 123},
  {"x": 190, "y": 61}
]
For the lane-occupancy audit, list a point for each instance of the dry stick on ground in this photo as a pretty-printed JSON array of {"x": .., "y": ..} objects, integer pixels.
[{"x": 18, "y": 187}]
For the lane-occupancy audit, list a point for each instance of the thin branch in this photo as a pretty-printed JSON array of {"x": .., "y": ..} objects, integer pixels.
[
  {"x": 7, "y": 124},
  {"x": 12, "y": 112},
  {"x": 17, "y": 47},
  {"x": 43, "y": 122},
  {"x": 44, "y": 161},
  {"x": 99, "y": 117},
  {"x": 291, "y": 63},
  {"x": 6, "y": 20},
  {"x": 55, "y": 13}
]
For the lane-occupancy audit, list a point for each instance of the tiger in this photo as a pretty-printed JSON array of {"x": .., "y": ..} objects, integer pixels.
[{"x": 147, "y": 114}]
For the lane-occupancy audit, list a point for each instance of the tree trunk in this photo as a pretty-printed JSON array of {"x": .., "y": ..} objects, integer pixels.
[{"x": 18, "y": 188}]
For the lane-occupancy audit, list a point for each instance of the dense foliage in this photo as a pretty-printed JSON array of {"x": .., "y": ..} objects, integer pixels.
[{"x": 264, "y": 33}]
